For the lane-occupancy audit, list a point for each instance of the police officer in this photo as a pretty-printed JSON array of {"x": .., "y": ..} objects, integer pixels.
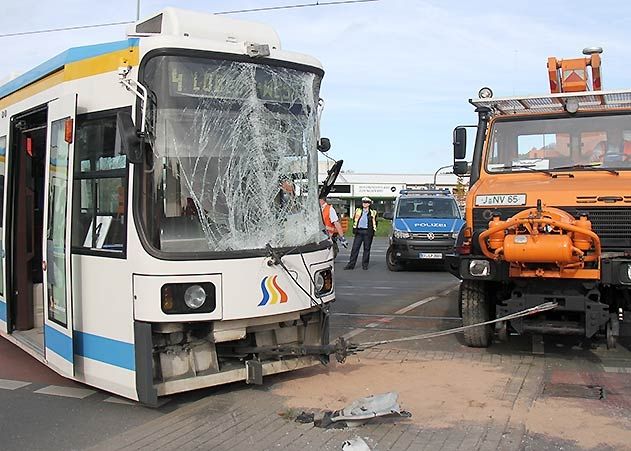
[{"x": 364, "y": 227}]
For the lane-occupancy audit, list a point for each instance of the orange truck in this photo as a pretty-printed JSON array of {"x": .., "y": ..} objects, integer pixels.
[{"x": 548, "y": 212}]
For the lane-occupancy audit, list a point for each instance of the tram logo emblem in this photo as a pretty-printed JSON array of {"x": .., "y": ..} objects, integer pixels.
[{"x": 272, "y": 292}]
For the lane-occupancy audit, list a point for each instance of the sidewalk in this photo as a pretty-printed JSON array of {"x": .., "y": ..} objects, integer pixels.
[{"x": 459, "y": 401}]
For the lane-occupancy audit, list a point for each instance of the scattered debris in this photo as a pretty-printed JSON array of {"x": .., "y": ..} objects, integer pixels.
[
  {"x": 362, "y": 410},
  {"x": 355, "y": 444},
  {"x": 305, "y": 417}
]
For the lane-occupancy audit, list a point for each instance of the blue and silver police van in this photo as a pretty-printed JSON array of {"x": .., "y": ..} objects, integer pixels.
[{"x": 425, "y": 225}]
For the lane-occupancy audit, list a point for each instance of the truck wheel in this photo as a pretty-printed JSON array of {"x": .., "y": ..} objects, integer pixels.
[
  {"x": 391, "y": 261},
  {"x": 475, "y": 309}
]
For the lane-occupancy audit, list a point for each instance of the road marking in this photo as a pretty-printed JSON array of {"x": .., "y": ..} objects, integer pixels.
[
  {"x": 6, "y": 384},
  {"x": 67, "y": 392},
  {"x": 616, "y": 369},
  {"x": 117, "y": 400},
  {"x": 415, "y": 305},
  {"x": 387, "y": 319}
]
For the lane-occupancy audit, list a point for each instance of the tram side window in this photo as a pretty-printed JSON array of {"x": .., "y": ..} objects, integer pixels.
[
  {"x": 3, "y": 154},
  {"x": 100, "y": 186}
]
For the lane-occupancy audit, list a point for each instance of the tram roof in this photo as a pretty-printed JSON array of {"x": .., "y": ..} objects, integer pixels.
[{"x": 58, "y": 62}]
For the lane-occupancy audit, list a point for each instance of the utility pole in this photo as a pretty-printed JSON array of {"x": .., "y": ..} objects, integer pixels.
[
  {"x": 138, "y": 10},
  {"x": 436, "y": 173}
]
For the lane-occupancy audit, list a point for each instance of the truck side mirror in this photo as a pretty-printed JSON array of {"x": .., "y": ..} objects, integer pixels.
[
  {"x": 460, "y": 143},
  {"x": 324, "y": 145},
  {"x": 461, "y": 167},
  {"x": 130, "y": 142}
]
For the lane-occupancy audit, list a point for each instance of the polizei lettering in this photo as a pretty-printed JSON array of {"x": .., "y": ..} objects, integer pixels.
[{"x": 429, "y": 224}]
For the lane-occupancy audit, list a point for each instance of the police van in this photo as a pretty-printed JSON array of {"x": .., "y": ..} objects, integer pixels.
[{"x": 425, "y": 225}]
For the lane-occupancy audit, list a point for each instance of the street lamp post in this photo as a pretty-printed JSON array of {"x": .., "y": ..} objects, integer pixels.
[{"x": 436, "y": 173}]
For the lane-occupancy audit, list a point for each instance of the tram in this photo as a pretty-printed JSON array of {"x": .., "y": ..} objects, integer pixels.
[{"x": 161, "y": 230}]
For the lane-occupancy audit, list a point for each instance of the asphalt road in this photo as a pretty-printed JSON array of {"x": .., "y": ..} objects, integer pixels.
[{"x": 373, "y": 304}]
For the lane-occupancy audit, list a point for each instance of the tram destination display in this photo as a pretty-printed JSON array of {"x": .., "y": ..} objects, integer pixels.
[{"x": 224, "y": 80}]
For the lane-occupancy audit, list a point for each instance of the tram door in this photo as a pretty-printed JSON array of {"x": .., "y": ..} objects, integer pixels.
[{"x": 58, "y": 324}]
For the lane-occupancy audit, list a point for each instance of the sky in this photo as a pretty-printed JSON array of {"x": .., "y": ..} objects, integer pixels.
[{"x": 399, "y": 73}]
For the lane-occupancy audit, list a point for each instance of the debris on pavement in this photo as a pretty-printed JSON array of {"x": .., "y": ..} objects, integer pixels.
[
  {"x": 305, "y": 417},
  {"x": 362, "y": 410},
  {"x": 355, "y": 444}
]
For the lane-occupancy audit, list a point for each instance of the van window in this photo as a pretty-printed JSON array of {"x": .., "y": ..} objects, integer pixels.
[{"x": 427, "y": 208}]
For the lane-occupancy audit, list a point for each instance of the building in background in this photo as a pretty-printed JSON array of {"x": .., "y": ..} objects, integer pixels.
[{"x": 383, "y": 189}]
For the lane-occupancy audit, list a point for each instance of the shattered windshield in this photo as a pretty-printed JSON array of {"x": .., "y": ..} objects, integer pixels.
[
  {"x": 234, "y": 156},
  {"x": 427, "y": 208},
  {"x": 547, "y": 144}
]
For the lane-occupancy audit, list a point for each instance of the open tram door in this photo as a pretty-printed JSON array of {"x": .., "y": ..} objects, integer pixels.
[{"x": 58, "y": 324}]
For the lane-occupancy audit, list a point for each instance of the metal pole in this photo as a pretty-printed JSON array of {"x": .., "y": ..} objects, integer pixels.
[
  {"x": 138, "y": 10},
  {"x": 436, "y": 173}
]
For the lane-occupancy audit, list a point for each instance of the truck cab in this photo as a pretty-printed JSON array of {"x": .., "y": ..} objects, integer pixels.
[
  {"x": 425, "y": 225},
  {"x": 548, "y": 208}
]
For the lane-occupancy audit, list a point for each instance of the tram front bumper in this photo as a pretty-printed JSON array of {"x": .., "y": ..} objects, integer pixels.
[{"x": 235, "y": 375}]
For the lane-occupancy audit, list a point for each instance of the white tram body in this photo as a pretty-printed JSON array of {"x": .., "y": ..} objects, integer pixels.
[{"x": 103, "y": 257}]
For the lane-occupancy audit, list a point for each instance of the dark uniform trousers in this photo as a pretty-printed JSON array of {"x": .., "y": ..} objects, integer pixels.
[{"x": 364, "y": 236}]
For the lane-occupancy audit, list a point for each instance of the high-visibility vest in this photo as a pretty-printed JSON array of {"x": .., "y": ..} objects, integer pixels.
[
  {"x": 373, "y": 216},
  {"x": 326, "y": 216}
]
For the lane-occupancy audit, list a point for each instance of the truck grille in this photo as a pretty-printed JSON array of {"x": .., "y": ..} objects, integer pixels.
[
  {"x": 437, "y": 236},
  {"x": 613, "y": 225}
]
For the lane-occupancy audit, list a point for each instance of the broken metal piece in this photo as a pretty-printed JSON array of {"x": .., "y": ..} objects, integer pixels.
[
  {"x": 355, "y": 444},
  {"x": 364, "y": 409},
  {"x": 340, "y": 348}
]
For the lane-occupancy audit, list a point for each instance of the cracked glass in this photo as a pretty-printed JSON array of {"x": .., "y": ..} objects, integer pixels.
[{"x": 233, "y": 158}]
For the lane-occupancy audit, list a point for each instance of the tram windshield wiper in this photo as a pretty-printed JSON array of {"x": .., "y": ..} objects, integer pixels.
[{"x": 592, "y": 166}]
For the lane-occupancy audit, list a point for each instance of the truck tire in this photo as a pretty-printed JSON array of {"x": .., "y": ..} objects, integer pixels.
[
  {"x": 391, "y": 261},
  {"x": 475, "y": 309}
]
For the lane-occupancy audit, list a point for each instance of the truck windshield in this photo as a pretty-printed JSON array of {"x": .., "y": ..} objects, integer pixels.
[
  {"x": 427, "y": 208},
  {"x": 582, "y": 143},
  {"x": 234, "y": 159}
]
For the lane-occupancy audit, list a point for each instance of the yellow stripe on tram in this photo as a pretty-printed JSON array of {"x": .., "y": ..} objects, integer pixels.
[{"x": 79, "y": 69}]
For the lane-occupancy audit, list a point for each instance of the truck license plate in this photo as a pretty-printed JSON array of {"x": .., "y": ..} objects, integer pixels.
[{"x": 434, "y": 255}]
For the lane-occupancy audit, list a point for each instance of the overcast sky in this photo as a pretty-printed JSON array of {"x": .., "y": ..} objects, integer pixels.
[{"x": 398, "y": 72}]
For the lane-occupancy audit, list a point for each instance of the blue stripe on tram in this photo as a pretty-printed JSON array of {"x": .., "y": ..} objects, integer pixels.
[
  {"x": 3, "y": 311},
  {"x": 106, "y": 350}
]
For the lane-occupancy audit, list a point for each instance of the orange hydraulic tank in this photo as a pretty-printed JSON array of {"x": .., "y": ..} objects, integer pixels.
[
  {"x": 496, "y": 240},
  {"x": 539, "y": 249},
  {"x": 581, "y": 240}
]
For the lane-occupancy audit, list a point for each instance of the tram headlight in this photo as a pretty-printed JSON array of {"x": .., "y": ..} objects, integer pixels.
[
  {"x": 323, "y": 282},
  {"x": 183, "y": 298},
  {"x": 194, "y": 297}
]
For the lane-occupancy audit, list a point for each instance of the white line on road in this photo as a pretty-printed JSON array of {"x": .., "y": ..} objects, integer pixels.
[
  {"x": 117, "y": 400},
  {"x": 68, "y": 392},
  {"x": 416, "y": 304},
  {"x": 401, "y": 311},
  {"x": 6, "y": 384}
]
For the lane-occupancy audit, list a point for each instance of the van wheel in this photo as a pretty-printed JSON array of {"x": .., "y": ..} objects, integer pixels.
[
  {"x": 475, "y": 309},
  {"x": 391, "y": 260}
]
